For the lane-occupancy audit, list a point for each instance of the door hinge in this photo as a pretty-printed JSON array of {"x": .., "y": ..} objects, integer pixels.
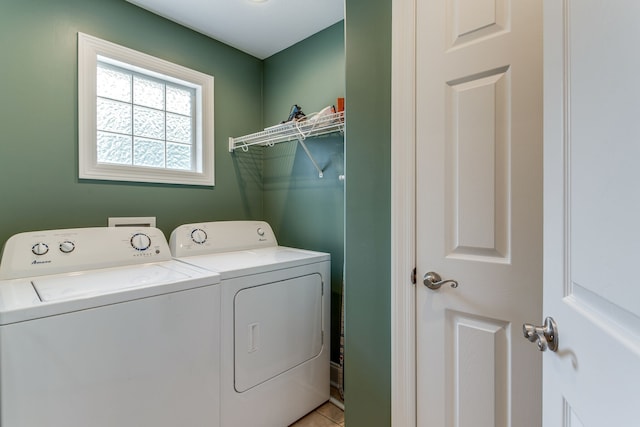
[{"x": 413, "y": 275}]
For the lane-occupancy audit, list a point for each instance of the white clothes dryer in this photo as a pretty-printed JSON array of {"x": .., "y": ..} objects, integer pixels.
[
  {"x": 100, "y": 327},
  {"x": 275, "y": 320}
]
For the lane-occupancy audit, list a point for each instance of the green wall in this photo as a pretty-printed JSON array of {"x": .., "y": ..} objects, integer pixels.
[
  {"x": 368, "y": 216},
  {"x": 39, "y": 186},
  {"x": 307, "y": 211},
  {"x": 38, "y": 116}
]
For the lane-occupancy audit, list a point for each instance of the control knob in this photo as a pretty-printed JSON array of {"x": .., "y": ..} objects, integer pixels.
[
  {"x": 199, "y": 236},
  {"x": 67, "y": 247},
  {"x": 40, "y": 249},
  {"x": 140, "y": 242}
]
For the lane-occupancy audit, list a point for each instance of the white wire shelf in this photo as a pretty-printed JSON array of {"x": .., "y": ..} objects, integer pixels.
[{"x": 311, "y": 126}]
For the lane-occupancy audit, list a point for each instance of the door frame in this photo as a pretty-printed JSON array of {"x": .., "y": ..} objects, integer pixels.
[{"x": 403, "y": 213}]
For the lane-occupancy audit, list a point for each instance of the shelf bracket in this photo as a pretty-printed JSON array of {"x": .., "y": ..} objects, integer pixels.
[
  {"x": 312, "y": 126},
  {"x": 306, "y": 150}
]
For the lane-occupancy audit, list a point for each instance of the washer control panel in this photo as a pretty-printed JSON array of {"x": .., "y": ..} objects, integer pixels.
[
  {"x": 80, "y": 249},
  {"x": 220, "y": 236}
]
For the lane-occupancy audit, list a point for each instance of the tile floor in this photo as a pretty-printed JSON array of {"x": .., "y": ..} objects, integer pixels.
[{"x": 327, "y": 415}]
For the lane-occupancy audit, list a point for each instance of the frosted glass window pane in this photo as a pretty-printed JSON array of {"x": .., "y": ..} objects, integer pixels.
[
  {"x": 113, "y": 84},
  {"x": 113, "y": 116},
  {"x": 136, "y": 111},
  {"x": 179, "y": 100},
  {"x": 178, "y": 156},
  {"x": 147, "y": 92},
  {"x": 147, "y": 122},
  {"x": 148, "y": 153},
  {"x": 113, "y": 148},
  {"x": 178, "y": 128}
]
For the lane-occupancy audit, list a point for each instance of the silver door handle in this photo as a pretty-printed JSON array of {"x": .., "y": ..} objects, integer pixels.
[
  {"x": 432, "y": 280},
  {"x": 545, "y": 336}
]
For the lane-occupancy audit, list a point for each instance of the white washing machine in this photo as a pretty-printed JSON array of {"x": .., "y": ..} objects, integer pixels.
[
  {"x": 275, "y": 320},
  {"x": 100, "y": 327}
]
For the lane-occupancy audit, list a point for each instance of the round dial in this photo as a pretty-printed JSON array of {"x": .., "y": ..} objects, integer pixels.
[
  {"x": 260, "y": 231},
  {"x": 199, "y": 236},
  {"x": 140, "y": 241},
  {"x": 40, "y": 248},
  {"x": 67, "y": 247}
]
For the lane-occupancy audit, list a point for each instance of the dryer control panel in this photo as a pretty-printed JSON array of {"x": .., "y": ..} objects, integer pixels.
[
  {"x": 220, "y": 236},
  {"x": 39, "y": 253}
]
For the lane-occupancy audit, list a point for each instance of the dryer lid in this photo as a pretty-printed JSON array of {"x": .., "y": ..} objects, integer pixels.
[{"x": 256, "y": 261}]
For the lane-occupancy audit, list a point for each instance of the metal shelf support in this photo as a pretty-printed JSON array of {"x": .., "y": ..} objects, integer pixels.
[{"x": 313, "y": 125}]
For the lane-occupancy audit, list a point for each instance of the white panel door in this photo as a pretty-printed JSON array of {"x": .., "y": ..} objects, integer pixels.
[
  {"x": 592, "y": 212},
  {"x": 479, "y": 211}
]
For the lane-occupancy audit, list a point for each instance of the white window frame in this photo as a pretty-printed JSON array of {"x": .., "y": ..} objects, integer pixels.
[{"x": 89, "y": 48}]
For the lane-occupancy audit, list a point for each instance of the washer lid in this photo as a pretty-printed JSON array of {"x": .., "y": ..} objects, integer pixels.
[
  {"x": 44, "y": 296},
  {"x": 86, "y": 284}
]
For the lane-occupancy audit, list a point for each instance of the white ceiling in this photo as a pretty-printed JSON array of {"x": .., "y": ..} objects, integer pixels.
[{"x": 257, "y": 28}]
